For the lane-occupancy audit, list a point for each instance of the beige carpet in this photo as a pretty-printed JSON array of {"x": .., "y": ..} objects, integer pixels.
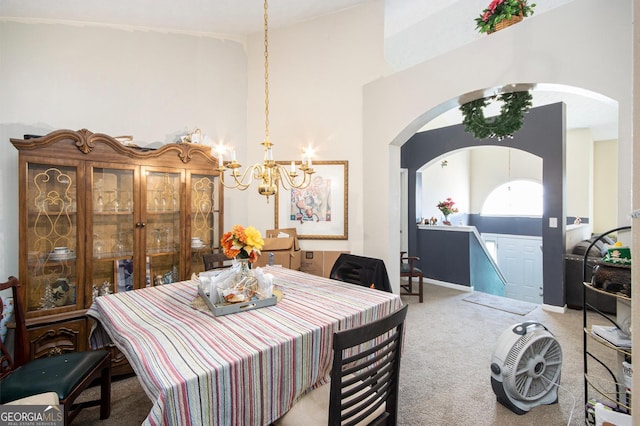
[
  {"x": 502, "y": 303},
  {"x": 445, "y": 376}
]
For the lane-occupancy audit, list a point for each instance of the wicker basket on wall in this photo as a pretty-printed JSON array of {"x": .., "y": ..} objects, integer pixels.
[{"x": 506, "y": 23}]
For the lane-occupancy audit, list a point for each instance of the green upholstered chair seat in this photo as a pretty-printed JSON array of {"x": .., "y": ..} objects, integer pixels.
[
  {"x": 65, "y": 376},
  {"x": 405, "y": 269},
  {"x": 59, "y": 374}
]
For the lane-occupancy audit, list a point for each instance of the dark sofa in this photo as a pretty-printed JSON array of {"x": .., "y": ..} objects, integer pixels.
[{"x": 573, "y": 276}]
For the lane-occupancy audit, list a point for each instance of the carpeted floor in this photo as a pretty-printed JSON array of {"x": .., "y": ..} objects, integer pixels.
[
  {"x": 502, "y": 303},
  {"x": 445, "y": 376}
]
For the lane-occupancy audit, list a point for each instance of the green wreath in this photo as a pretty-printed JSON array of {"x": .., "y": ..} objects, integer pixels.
[{"x": 510, "y": 120}]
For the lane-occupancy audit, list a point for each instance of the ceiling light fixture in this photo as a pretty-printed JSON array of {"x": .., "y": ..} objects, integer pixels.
[{"x": 269, "y": 173}]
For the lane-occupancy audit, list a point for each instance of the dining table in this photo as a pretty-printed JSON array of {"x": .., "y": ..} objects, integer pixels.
[{"x": 245, "y": 368}]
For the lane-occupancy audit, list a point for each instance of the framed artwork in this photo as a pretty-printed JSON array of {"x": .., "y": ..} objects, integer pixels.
[{"x": 320, "y": 211}]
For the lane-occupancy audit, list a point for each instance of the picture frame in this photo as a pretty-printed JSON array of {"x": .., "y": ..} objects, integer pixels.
[{"x": 320, "y": 211}]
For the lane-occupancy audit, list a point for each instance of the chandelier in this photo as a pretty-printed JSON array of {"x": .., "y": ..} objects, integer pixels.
[{"x": 268, "y": 173}]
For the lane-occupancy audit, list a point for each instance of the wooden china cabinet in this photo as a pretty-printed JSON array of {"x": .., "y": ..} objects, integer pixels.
[{"x": 100, "y": 217}]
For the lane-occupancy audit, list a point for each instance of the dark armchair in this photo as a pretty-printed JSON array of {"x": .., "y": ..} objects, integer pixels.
[{"x": 409, "y": 270}]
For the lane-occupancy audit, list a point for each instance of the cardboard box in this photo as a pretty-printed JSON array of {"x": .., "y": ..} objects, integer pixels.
[
  {"x": 286, "y": 259},
  {"x": 330, "y": 258},
  {"x": 286, "y": 250},
  {"x": 319, "y": 262},
  {"x": 312, "y": 262}
]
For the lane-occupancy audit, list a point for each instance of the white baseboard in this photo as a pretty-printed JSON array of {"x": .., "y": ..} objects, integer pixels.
[
  {"x": 459, "y": 287},
  {"x": 553, "y": 308}
]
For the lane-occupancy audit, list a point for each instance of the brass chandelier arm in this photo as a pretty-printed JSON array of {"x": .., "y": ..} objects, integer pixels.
[
  {"x": 240, "y": 181},
  {"x": 269, "y": 173},
  {"x": 289, "y": 178}
]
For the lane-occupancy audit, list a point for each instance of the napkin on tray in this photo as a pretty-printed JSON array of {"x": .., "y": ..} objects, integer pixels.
[{"x": 221, "y": 285}]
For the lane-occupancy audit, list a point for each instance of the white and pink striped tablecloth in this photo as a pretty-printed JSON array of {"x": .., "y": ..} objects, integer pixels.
[{"x": 239, "y": 369}]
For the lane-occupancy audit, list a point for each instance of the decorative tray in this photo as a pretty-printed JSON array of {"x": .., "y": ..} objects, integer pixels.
[{"x": 221, "y": 309}]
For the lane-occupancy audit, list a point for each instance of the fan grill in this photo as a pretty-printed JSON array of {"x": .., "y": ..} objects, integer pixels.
[
  {"x": 512, "y": 357},
  {"x": 532, "y": 368}
]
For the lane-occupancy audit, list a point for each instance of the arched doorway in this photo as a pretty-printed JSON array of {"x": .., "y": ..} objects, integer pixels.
[
  {"x": 474, "y": 175},
  {"x": 397, "y": 106}
]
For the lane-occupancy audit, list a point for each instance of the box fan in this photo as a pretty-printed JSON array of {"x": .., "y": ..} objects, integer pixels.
[{"x": 525, "y": 367}]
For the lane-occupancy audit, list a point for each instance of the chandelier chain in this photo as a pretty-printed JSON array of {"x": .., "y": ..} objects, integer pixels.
[{"x": 266, "y": 74}]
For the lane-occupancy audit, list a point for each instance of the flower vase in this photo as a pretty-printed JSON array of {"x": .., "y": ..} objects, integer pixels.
[
  {"x": 245, "y": 268},
  {"x": 446, "y": 220},
  {"x": 245, "y": 281}
]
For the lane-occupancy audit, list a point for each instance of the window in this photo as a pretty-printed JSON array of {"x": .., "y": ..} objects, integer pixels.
[{"x": 515, "y": 198}]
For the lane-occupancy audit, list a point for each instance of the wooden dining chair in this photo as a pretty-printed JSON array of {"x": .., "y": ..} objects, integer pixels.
[
  {"x": 214, "y": 261},
  {"x": 68, "y": 375},
  {"x": 364, "y": 378},
  {"x": 410, "y": 271}
]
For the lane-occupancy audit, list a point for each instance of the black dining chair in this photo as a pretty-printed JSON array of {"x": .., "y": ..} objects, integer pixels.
[
  {"x": 68, "y": 375},
  {"x": 364, "y": 378},
  {"x": 365, "y": 271}
]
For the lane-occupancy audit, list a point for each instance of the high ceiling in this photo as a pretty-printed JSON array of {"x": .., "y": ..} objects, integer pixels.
[
  {"x": 224, "y": 17},
  {"x": 239, "y": 18}
]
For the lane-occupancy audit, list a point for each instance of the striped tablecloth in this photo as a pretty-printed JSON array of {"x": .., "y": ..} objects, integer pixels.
[{"x": 239, "y": 369}]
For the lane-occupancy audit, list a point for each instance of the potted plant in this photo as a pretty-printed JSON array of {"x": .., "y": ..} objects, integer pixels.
[{"x": 502, "y": 13}]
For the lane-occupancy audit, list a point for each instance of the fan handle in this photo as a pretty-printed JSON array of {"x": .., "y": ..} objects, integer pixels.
[{"x": 521, "y": 328}]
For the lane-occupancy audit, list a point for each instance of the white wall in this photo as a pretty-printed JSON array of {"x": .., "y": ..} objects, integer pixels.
[
  {"x": 316, "y": 73},
  {"x": 579, "y": 174},
  {"x": 452, "y": 181},
  {"x": 591, "y": 185},
  {"x": 157, "y": 86},
  {"x": 605, "y": 210},
  {"x": 487, "y": 168},
  {"x": 493, "y": 165},
  {"x": 557, "y": 48},
  {"x": 414, "y": 34},
  {"x": 151, "y": 85}
]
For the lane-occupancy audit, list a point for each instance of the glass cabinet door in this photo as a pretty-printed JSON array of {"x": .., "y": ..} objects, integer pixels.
[
  {"x": 205, "y": 218},
  {"x": 163, "y": 230},
  {"x": 111, "y": 244},
  {"x": 51, "y": 237}
]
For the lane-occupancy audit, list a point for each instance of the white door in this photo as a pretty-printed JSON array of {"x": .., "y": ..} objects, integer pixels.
[{"x": 520, "y": 260}]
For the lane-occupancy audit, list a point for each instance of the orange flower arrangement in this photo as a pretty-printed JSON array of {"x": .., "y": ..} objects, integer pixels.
[{"x": 242, "y": 243}]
